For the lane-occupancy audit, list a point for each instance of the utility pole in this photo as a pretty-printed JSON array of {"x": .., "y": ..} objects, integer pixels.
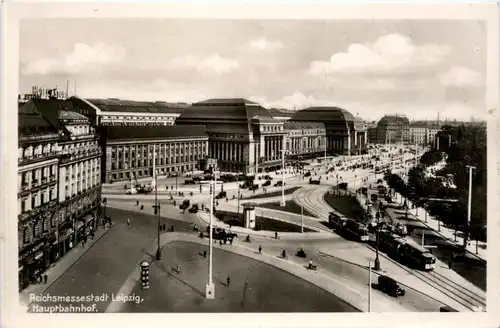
[
  {"x": 238, "y": 200},
  {"x": 377, "y": 260},
  {"x": 325, "y": 140},
  {"x": 466, "y": 236}
]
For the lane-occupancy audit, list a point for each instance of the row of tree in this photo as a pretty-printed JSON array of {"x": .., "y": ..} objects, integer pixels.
[{"x": 468, "y": 147}]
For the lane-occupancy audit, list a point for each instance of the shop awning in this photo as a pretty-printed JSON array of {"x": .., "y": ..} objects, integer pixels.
[
  {"x": 39, "y": 255},
  {"x": 78, "y": 224}
]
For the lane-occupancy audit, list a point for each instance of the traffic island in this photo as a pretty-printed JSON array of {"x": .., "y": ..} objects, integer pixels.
[{"x": 253, "y": 286}]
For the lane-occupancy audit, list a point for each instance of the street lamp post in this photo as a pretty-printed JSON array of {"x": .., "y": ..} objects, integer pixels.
[
  {"x": 469, "y": 207},
  {"x": 157, "y": 212},
  {"x": 325, "y": 141},
  {"x": 238, "y": 200},
  {"x": 369, "y": 286},
  {"x": 301, "y": 218},
  {"x": 377, "y": 260},
  {"x": 210, "y": 287},
  {"x": 282, "y": 177}
]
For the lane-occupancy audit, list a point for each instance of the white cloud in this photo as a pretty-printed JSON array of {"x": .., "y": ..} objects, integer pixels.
[
  {"x": 263, "y": 44},
  {"x": 211, "y": 64},
  {"x": 83, "y": 58},
  {"x": 461, "y": 77},
  {"x": 388, "y": 54}
]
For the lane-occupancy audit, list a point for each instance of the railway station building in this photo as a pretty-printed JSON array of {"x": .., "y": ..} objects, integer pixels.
[
  {"x": 345, "y": 134},
  {"x": 129, "y": 150}
]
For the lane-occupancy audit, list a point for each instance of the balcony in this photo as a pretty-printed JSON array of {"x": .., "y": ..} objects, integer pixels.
[{"x": 21, "y": 161}]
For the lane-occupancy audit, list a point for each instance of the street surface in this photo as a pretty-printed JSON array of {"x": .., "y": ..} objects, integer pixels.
[{"x": 254, "y": 286}]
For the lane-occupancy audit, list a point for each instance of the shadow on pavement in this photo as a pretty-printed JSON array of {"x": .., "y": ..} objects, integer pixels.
[{"x": 162, "y": 267}]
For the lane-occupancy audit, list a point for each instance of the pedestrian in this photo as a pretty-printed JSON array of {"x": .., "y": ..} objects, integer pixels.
[
  {"x": 137, "y": 203},
  {"x": 45, "y": 278},
  {"x": 220, "y": 242},
  {"x": 128, "y": 222},
  {"x": 260, "y": 249},
  {"x": 83, "y": 243},
  {"x": 275, "y": 235},
  {"x": 205, "y": 253},
  {"x": 178, "y": 268},
  {"x": 228, "y": 280},
  {"x": 450, "y": 262}
]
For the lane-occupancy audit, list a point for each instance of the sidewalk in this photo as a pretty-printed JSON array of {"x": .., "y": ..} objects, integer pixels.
[
  {"x": 447, "y": 233},
  {"x": 60, "y": 267}
]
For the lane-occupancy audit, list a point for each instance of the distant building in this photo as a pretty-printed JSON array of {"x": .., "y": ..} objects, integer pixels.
[
  {"x": 112, "y": 111},
  {"x": 393, "y": 129},
  {"x": 304, "y": 140},
  {"x": 345, "y": 134},
  {"x": 129, "y": 150}
]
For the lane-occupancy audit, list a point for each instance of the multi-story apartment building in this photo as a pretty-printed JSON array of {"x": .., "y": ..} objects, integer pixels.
[
  {"x": 393, "y": 129},
  {"x": 304, "y": 140},
  {"x": 418, "y": 133},
  {"x": 129, "y": 150},
  {"x": 112, "y": 111},
  {"x": 38, "y": 147},
  {"x": 74, "y": 197}
]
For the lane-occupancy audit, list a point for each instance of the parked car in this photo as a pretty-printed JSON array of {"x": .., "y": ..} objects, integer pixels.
[
  {"x": 221, "y": 194},
  {"x": 194, "y": 209},
  {"x": 279, "y": 184},
  {"x": 189, "y": 182},
  {"x": 267, "y": 177},
  {"x": 390, "y": 286},
  {"x": 308, "y": 174},
  {"x": 185, "y": 204},
  {"x": 267, "y": 183},
  {"x": 447, "y": 309}
]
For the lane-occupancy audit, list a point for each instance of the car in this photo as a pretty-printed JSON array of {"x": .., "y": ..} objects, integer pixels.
[
  {"x": 267, "y": 183},
  {"x": 390, "y": 286},
  {"x": 221, "y": 194},
  {"x": 308, "y": 174},
  {"x": 189, "y": 182},
  {"x": 185, "y": 204},
  {"x": 279, "y": 184},
  {"x": 194, "y": 209}
]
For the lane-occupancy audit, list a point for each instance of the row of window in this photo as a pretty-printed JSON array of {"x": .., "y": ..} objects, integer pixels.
[
  {"x": 149, "y": 162},
  {"x": 78, "y": 130},
  {"x": 37, "y": 199},
  {"x": 36, "y": 151},
  {"x": 35, "y": 176},
  {"x": 75, "y": 187},
  {"x": 271, "y": 128},
  {"x": 146, "y": 173},
  {"x": 160, "y": 147},
  {"x": 139, "y": 118},
  {"x": 306, "y": 132}
]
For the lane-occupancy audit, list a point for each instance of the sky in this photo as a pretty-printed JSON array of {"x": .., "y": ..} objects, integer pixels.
[{"x": 371, "y": 68}]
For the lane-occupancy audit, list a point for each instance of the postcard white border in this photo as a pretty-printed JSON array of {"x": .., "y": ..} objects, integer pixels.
[{"x": 13, "y": 315}]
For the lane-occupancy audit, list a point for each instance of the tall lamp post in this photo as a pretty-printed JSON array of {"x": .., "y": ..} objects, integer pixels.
[
  {"x": 156, "y": 206},
  {"x": 210, "y": 287},
  {"x": 469, "y": 207},
  {"x": 325, "y": 141},
  {"x": 282, "y": 177},
  {"x": 239, "y": 200},
  {"x": 157, "y": 213},
  {"x": 377, "y": 260}
]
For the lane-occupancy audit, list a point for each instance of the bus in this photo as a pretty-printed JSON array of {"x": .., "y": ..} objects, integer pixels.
[
  {"x": 336, "y": 220},
  {"x": 418, "y": 256},
  {"x": 356, "y": 230}
]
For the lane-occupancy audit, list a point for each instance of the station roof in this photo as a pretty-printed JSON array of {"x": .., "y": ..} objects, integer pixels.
[
  {"x": 234, "y": 109},
  {"x": 323, "y": 114},
  {"x": 118, "y": 105},
  {"x": 292, "y": 125},
  {"x": 152, "y": 132}
]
